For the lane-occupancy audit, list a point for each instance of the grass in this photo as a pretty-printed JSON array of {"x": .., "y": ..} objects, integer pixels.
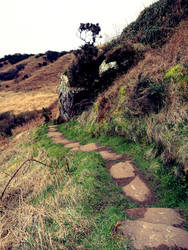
[
  {"x": 31, "y": 100},
  {"x": 170, "y": 191},
  {"x": 71, "y": 204}
]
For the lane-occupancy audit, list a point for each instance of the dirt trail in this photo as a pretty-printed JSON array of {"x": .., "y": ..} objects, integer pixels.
[{"x": 157, "y": 228}]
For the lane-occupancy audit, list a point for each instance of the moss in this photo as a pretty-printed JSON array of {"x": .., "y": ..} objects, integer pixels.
[
  {"x": 122, "y": 91},
  {"x": 96, "y": 107},
  {"x": 173, "y": 72}
]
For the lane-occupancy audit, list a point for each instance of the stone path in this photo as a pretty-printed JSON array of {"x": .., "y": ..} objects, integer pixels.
[{"x": 157, "y": 228}]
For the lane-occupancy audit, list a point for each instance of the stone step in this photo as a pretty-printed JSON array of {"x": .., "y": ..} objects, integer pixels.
[
  {"x": 122, "y": 170},
  {"x": 109, "y": 155},
  {"x": 72, "y": 145},
  {"x": 137, "y": 190},
  {"x": 159, "y": 236},
  {"x": 168, "y": 216},
  {"x": 53, "y": 134},
  {"x": 91, "y": 147}
]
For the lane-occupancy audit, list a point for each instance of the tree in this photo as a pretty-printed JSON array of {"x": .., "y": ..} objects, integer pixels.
[{"x": 89, "y": 32}]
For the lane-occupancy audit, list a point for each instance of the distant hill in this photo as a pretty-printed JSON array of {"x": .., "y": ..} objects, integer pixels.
[{"x": 29, "y": 83}]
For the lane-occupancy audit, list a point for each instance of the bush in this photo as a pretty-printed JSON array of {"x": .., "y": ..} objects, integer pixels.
[
  {"x": 13, "y": 59},
  {"x": 39, "y": 55},
  {"x": 85, "y": 69},
  {"x": 25, "y": 77},
  {"x": 9, "y": 121},
  {"x": 147, "y": 96},
  {"x": 52, "y": 56},
  {"x": 20, "y": 66},
  {"x": 12, "y": 73},
  {"x": 9, "y": 75},
  {"x": 155, "y": 22},
  {"x": 42, "y": 64}
]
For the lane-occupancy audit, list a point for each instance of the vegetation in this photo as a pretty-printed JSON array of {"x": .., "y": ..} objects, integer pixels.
[
  {"x": 52, "y": 56},
  {"x": 156, "y": 22},
  {"x": 12, "y": 73},
  {"x": 9, "y": 121},
  {"x": 171, "y": 192},
  {"x": 68, "y": 204},
  {"x": 13, "y": 59}
]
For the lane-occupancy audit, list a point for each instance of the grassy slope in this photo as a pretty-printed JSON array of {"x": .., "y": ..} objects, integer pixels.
[
  {"x": 41, "y": 84},
  {"x": 170, "y": 192},
  {"x": 127, "y": 108},
  {"x": 26, "y": 98},
  {"x": 71, "y": 203}
]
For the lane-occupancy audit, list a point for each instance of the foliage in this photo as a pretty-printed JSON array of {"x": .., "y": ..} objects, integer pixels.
[
  {"x": 171, "y": 191},
  {"x": 9, "y": 75},
  {"x": 147, "y": 96},
  {"x": 9, "y": 121},
  {"x": 13, "y": 59},
  {"x": 52, "y": 56},
  {"x": 72, "y": 203},
  {"x": 84, "y": 71},
  {"x": 12, "y": 73},
  {"x": 89, "y": 32},
  {"x": 156, "y": 22}
]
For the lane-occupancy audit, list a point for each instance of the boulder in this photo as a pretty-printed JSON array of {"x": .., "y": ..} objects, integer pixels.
[
  {"x": 146, "y": 235},
  {"x": 71, "y": 99},
  {"x": 104, "y": 67}
]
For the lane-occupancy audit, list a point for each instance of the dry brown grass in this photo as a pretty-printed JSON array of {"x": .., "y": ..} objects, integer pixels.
[
  {"x": 21, "y": 102},
  {"x": 21, "y": 220},
  {"x": 39, "y": 90},
  {"x": 35, "y": 92}
]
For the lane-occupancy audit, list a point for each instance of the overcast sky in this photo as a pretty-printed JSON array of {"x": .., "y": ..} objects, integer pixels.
[{"x": 35, "y": 26}]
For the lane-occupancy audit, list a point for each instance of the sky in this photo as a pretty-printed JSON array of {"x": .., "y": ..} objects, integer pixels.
[{"x": 36, "y": 26}]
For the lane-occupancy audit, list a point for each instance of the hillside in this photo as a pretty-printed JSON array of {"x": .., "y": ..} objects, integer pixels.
[
  {"x": 31, "y": 89},
  {"x": 112, "y": 170}
]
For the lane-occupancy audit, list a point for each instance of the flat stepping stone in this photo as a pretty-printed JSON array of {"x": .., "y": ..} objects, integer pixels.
[
  {"x": 52, "y": 129},
  {"x": 90, "y": 147},
  {"x": 54, "y": 134},
  {"x": 137, "y": 190},
  {"x": 109, "y": 156},
  {"x": 72, "y": 145},
  {"x": 76, "y": 149},
  {"x": 166, "y": 216},
  {"x": 122, "y": 170},
  {"x": 60, "y": 140},
  {"x": 160, "y": 236}
]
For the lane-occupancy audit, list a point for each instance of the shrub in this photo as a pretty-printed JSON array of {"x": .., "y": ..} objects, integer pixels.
[
  {"x": 85, "y": 69},
  {"x": 39, "y": 55},
  {"x": 42, "y": 64},
  {"x": 12, "y": 73},
  {"x": 13, "y": 59},
  {"x": 9, "y": 121},
  {"x": 20, "y": 66},
  {"x": 25, "y": 77},
  {"x": 9, "y": 75},
  {"x": 147, "y": 96},
  {"x": 155, "y": 22}
]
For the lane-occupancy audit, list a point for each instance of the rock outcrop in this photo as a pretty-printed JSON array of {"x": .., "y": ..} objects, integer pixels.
[{"x": 91, "y": 73}]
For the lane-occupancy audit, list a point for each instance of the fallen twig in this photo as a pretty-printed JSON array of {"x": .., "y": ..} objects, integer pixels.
[{"x": 15, "y": 173}]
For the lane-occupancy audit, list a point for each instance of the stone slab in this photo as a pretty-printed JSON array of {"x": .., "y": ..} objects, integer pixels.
[
  {"x": 72, "y": 145},
  {"x": 144, "y": 234},
  {"x": 137, "y": 190},
  {"x": 76, "y": 149},
  {"x": 166, "y": 216},
  {"x": 122, "y": 170},
  {"x": 90, "y": 147},
  {"x": 54, "y": 134},
  {"x": 60, "y": 140},
  {"x": 109, "y": 156}
]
